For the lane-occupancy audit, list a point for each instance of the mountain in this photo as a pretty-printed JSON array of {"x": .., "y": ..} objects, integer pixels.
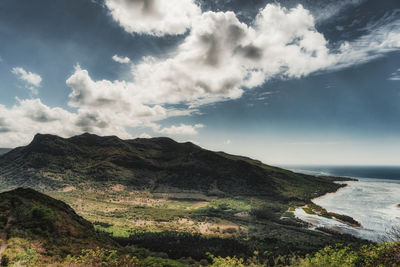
[
  {"x": 37, "y": 226},
  {"x": 4, "y": 150},
  {"x": 159, "y": 165}
]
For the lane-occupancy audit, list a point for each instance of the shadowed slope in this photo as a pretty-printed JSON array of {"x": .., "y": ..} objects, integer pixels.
[
  {"x": 157, "y": 164},
  {"x": 34, "y": 221}
]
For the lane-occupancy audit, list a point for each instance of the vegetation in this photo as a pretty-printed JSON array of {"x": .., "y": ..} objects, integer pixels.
[
  {"x": 157, "y": 165},
  {"x": 372, "y": 255},
  {"x": 155, "y": 202},
  {"x": 45, "y": 230},
  {"x": 114, "y": 258},
  {"x": 171, "y": 222}
]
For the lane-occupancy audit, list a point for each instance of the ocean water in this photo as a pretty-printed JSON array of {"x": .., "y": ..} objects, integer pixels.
[
  {"x": 372, "y": 200},
  {"x": 377, "y": 172}
]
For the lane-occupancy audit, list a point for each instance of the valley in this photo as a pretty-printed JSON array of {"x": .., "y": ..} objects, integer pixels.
[{"x": 163, "y": 222}]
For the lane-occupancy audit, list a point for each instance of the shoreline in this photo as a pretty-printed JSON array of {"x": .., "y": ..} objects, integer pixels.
[
  {"x": 356, "y": 224},
  {"x": 320, "y": 211},
  {"x": 367, "y": 201},
  {"x": 345, "y": 185}
]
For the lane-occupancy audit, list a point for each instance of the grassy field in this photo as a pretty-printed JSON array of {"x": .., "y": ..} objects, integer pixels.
[
  {"x": 144, "y": 218},
  {"x": 121, "y": 211}
]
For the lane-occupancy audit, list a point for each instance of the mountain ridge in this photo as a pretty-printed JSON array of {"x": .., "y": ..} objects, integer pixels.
[{"x": 160, "y": 164}]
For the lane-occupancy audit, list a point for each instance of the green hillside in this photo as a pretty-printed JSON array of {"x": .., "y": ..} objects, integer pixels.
[
  {"x": 158, "y": 165},
  {"x": 37, "y": 230},
  {"x": 42, "y": 227}
]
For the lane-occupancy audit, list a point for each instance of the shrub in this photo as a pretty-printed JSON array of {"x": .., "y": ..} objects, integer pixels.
[
  {"x": 4, "y": 260},
  {"x": 42, "y": 217}
]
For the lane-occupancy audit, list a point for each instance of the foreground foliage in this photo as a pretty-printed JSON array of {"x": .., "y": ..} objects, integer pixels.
[
  {"x": 113, "y": 258},
  {"x": 386, "y": 254},
  {"x": 372, "y": 255}
]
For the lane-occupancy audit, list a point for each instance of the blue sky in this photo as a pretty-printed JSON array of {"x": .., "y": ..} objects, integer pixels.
[{"x": 288, "y": 82}]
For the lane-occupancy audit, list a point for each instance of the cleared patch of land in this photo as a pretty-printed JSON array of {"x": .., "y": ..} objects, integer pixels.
[{"x": 123, "y": 211}]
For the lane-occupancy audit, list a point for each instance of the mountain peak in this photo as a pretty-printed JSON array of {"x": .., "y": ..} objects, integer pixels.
[{"x": 39, "y": 137}]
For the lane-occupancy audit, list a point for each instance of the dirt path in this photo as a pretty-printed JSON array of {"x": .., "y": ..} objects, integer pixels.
[{"x": 4, "y": 235}]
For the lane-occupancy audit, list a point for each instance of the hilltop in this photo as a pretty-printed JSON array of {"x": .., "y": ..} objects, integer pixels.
[
  {"x": 51, "y": 163},
  {"x": 35, "y": 225}
]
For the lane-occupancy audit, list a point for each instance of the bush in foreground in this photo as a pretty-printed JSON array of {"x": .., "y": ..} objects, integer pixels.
[{"x": 386, "y": 254}]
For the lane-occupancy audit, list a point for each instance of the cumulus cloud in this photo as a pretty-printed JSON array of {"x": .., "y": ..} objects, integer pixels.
[
  {"x": 217, "y": 60},
  {"x": 221, "y": 56},
  {"x": 28, "y": 117},
  {"x": 155, "y": 17},
  {"x": 101, "y": 107},
  {"x": 31, "y": 79},
  {"x": 122, "y": 60}
]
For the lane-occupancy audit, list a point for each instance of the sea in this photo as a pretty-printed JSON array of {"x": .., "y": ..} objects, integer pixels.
[{"x": 373, "y": 200}]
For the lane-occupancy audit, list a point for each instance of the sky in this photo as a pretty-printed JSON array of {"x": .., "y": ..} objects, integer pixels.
[{"x": 285, "y": 82}]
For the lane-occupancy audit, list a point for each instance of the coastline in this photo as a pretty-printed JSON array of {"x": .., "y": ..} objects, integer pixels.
[
  {"x": 373, "y": 202},
  {"x": 340, "y": 182},
  {"x": 313, "y": 208}
]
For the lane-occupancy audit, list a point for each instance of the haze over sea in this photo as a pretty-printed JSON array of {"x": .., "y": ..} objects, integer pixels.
[{"x": 372, "y": 200}]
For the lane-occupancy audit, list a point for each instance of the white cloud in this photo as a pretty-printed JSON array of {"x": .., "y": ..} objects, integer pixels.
[
  {"x": 32, "y": 80},
  {"x": 325, "y": 10},
  {"x": 218, "y": 59},
  {"x": 116, "y": 97},
  {"x": 182, "y": 129},
  {"x": 395, "y": 76},
  {"x": 28, "y": 117},
  {"x": 221, "y": 56},
  {"x": 102, "y": 107},
  {"x": 382, "y": 37},
  {"x": 22, "y": 121},
  {"x": 122, "y": 60},
  {"x": 155, "y": 17}
]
